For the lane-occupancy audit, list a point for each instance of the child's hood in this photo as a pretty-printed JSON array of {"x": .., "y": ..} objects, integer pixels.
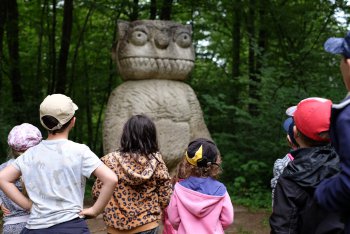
[
  {"x": 136, "y": 169},
  {"x": 197, "y": 203},
  {"x": 311, "y": 165}
]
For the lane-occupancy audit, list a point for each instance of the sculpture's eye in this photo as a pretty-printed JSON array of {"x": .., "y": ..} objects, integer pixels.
[
  {"x": 138, "y": 38},
  {"x": 183, "y": 40}
]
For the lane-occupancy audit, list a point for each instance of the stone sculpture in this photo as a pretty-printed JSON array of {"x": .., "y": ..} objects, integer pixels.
[{"x": 153, "y": 58}]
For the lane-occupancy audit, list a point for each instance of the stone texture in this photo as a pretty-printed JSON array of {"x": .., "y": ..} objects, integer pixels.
[
  {"x": 153, "y": 57},
  {"x": 154, "y": 49},
  {"x": 172, "y": 105}
]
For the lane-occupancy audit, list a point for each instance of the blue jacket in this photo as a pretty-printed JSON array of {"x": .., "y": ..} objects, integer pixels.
[{"x": 334, "y": 193}]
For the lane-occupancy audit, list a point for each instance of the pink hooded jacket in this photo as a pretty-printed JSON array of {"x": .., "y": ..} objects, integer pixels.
[{"x": 191, "y": 211}]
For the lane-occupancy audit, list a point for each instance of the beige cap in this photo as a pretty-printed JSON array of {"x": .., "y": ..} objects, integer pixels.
[{"x": 58, "y": 106}]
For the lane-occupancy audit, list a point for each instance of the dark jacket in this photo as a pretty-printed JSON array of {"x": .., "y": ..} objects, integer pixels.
[
  {"x": 295, "y": 209},
  {"x": 334, "y": 194}
]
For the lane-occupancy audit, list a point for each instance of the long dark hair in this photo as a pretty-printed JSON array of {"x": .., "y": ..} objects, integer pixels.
[{"x": 139, "y": 136}]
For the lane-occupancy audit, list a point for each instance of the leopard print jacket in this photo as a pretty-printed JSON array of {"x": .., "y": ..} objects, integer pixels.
[{"x": 142, "y": 193}]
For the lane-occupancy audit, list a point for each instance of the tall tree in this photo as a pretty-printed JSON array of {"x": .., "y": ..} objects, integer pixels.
[
  {"x": 13, "y": 49},
  {"x": 236, "y": 38},
  {"x": 165, "y": 13},
  {"x": 135, "y": 11},
  {"x": 78, "y": 44},
  {"x": 3, "y": 16},
  {"x": 153, "y": 10},
  {"x": 43, "y": 7},
  {"x": 52, "y": 47},
  {"x": 65, "y": 44},
  {"x": 253, "y": 78}
]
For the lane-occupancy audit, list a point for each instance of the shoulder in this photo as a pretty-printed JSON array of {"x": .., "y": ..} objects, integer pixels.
[
  {"x": 78, "y": 148},
  {"x": 3, "y": 165},
  {"x": 342, "y": 105},
  {"x": 282, "y": 161},
  {"x": 289, "y": 187},
  {"x": 77, "y": 145},
  {"x": 341, "y": 110},
  {"x": 111, "y": 159}
]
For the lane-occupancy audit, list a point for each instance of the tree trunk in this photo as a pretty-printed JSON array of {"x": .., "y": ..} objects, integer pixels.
[
  {"x": 38, "y": 87},
  {"x": 253, "y": 89},
  {"x": 153, "y": 10},
  {"x": 3, "y": 15},
  {"x": 52, "y": 49},
  {"x": 165, "y": 13},
  {"x": 135, "y": 11},
  {"x": 76, "y": 50},
  {"x": 65, "y": 44},
  {"x": 236, "y": 38},
  {"x": 13, "y": 47},
  {"x": 88, "y": 103},
  {"x": 262, "y": 40}
]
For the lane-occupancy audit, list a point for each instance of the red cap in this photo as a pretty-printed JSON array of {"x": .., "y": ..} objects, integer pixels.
[{"x": 312, "y": 116}]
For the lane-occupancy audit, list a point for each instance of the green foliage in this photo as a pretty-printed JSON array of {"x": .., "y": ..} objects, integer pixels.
[{"x": 243, "y": 113}]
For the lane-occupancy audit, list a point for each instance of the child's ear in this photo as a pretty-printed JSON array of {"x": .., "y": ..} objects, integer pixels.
[
  {"x": 324, "y": 135},
  {"x": 290, "y": 143},
  {"x": 73, "y": 121},
  {"x": 295, "y": 132}
]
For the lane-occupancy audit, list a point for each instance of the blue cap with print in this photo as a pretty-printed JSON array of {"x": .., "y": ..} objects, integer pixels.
[{"x": 336, "y": 45}]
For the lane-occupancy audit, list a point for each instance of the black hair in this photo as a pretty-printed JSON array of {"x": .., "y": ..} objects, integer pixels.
[
  {"x": 52, "y": 122},
  {"x": 311, "y": 142},
  {"x": 139, "y": 136}
]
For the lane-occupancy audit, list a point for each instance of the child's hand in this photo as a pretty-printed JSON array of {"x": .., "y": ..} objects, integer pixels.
[
  {"x": 89, "y": 213},
  {"x": 5, "y": 210}
]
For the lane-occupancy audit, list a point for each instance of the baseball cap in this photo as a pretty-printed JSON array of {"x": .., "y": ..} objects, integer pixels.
[
  {"x": 58, "y": 106},
  {"x": 336, "y": 45},
  {"x": 288, "y": 125},
  {"x": 201, "y": 152},
  {"x": 312, "y": 116},
  {"x": 23, "y": 136}
]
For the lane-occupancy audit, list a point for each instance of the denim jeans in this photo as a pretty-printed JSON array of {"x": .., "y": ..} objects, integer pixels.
[{"x": 152, "y": 231}]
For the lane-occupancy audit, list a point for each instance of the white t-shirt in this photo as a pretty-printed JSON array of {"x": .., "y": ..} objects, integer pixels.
[{"x": 54, "y": 173}]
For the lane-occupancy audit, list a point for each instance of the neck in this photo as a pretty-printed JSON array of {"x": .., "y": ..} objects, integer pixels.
[{"x": 57, "y": 136}]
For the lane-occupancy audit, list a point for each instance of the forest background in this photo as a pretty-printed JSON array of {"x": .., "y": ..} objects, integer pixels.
[{"x": 254, "y": 58}]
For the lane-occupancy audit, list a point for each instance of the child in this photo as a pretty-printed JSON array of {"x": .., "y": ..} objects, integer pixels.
[
  {"x": 334, "y": 194},
  {"x": 20, "y": 138},
  {"x": 144, "y": 186},
  {"x": 281, "y": 163},
  {"x": 294, "y": 209},
  {"x": 200, "y": 203},
  {"x": 54, "y": 174}
]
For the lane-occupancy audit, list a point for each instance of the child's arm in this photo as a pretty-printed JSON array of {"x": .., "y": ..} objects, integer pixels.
[
  {"x": 227, "y": 213},
  {"x": 173, "y": 213},
  {"x": 109, "y": 180},
  {"x": 7, "y": 178}
]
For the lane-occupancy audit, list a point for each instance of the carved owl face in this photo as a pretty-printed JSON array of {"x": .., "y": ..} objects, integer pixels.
[{"x": 154, "y": 49}]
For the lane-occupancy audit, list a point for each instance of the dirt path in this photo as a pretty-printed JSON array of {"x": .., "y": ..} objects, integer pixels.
[{"x": 246, "y": 222}]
